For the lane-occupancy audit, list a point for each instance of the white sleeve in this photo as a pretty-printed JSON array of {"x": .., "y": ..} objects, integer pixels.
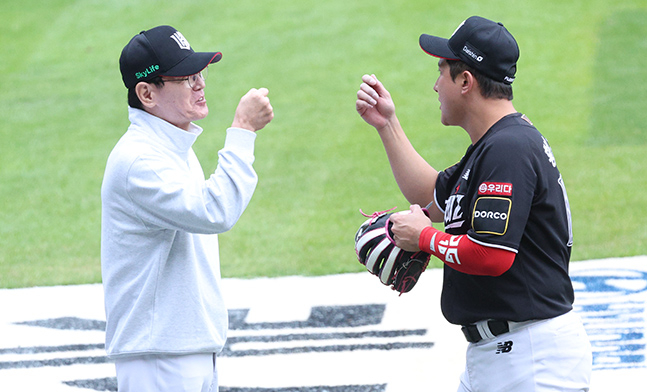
[{"x": 169, "y": 194}]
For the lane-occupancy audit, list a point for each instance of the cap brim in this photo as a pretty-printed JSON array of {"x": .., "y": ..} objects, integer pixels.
[
  {"x": 194, "y": 63},
  {"x": 437, "y": 47}
]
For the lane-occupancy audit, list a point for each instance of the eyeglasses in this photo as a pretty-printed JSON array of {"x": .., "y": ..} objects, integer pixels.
[{"x": 192, "y": 79}]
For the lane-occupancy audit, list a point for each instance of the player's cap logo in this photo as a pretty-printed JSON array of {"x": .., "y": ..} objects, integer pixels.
[{"x": 181, "y": 41}]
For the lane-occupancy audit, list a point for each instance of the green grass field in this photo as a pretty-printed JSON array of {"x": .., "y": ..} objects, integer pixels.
[{"x": 63, "y": 107}]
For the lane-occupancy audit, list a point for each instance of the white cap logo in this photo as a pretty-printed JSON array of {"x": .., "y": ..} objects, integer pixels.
[
  {"x": 472, "y": 54},
  {"x": 181, "y": 41}
]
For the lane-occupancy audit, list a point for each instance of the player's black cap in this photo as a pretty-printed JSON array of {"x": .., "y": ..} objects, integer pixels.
[
  {"x": 161, "y": 51},
  {"x": 485, "y": 45}
]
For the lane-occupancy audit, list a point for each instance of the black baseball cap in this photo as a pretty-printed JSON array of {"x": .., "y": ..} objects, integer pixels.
[
  {"x": 161, "y": 51},
  {"x": 485, "y": 45}
]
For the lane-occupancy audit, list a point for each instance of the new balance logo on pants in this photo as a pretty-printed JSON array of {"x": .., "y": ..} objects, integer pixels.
[{"x": 504, "y": 347}]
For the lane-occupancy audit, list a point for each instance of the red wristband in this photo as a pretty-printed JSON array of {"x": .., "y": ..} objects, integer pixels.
[{"x": 425, "y": 241}]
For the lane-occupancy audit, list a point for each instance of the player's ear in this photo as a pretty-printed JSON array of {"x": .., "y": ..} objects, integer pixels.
[
  {"x": 146, "y": 93},
  {"x": 468, "y": 81}
]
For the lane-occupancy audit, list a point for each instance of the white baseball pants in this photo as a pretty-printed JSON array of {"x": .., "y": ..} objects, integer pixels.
[
  {"x": 169, "y": 373},
  {"x": 547, "y": 355}
]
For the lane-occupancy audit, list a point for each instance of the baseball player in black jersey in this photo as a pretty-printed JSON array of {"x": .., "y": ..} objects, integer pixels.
[{"x": 507, "y": 239}]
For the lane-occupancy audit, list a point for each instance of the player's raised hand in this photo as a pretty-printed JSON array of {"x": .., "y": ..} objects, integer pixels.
[
  {"x": 254, "y": 110},
  {"x": 374, "y": 103}
]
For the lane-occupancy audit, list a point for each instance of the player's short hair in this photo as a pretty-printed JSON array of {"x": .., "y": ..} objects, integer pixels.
[
  {"x": 490, "y": 88},
  {"x": 133, "y": 99}
]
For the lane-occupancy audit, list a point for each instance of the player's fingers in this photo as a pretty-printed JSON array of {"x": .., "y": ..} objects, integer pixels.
[
  {"x": 369, "y": 90},
  {"x": 375, "y": 84},
  {"x": 263, "y": 91},
  {"x": 368, "y": 79},
  {"x": 378, "y": 86},
  {"x": 362, "y": 106},
  {"x": 364, "y": 96},
  {"x": 395, "y": 217}
]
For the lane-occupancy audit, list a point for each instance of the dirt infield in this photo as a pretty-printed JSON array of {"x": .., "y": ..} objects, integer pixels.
[{"x": 339, "y": 333}]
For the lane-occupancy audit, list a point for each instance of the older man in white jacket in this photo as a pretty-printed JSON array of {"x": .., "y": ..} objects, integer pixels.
[{"x": 166, "y": 318}]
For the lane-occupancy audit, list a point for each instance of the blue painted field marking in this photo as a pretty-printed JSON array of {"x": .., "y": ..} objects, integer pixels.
[{"x": 612, "y": 304}]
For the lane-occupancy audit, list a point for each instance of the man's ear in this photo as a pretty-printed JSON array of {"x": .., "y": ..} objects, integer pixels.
[
  {"x": 146, "y": 93},
  {"x": 468, "y": 82}
]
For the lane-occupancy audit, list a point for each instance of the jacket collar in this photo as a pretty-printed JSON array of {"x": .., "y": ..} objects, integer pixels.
[{"x": 162, "y": 131}]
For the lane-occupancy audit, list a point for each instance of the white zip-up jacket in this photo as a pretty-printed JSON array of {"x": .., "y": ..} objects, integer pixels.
[{"x": 159, "y": 244}]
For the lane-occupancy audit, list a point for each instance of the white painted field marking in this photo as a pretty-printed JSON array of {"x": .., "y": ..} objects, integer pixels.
[{"x": 339, "y": 333}]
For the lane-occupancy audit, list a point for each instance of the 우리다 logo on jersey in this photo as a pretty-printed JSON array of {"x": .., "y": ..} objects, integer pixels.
[{"x": 495, "y": 189}]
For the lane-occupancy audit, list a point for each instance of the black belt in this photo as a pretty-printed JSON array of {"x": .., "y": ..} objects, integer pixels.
[{"x": 496, "y": 327}]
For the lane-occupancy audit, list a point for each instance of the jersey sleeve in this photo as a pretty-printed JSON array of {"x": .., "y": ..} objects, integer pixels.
[
  {"x": 441, "y": 191},
  {"x": 502, "y": 188}
]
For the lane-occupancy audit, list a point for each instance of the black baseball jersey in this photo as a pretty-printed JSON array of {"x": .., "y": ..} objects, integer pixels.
[{"x": 506, "y": 192}]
